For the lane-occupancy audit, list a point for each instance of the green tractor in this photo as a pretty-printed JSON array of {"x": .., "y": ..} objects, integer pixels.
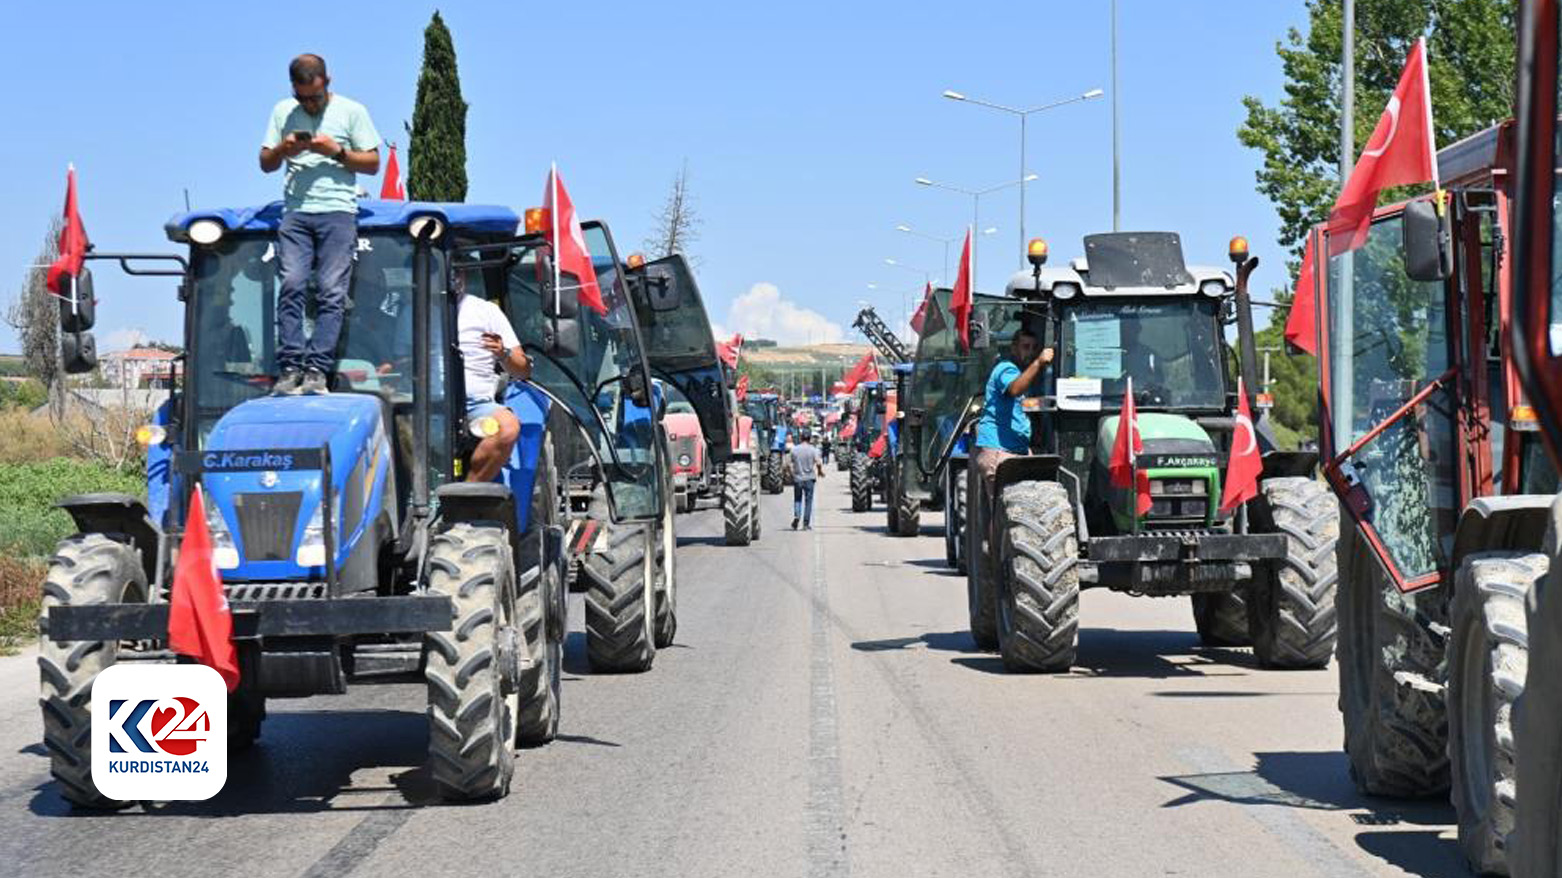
[{"x": 1051, "y": 523}]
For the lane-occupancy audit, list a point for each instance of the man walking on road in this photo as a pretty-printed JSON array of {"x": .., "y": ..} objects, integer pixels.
[
  {"x": 1004, "y": 430},
  {"x": 806, "y": 468},
  {"x": 325, "y": 140}
]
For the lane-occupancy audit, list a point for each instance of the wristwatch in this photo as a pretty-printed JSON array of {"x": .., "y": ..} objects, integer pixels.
[
  {"x": 341, "y": 154},
  {"x": 504, "y": 354}
]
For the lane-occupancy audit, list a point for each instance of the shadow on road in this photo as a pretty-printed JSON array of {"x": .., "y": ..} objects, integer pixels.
[
  {"x": 1320, "y": 781},
  {"x": 718, "y": 540},
  {"x": 305, "y": 762},
  {"x": 1160, "y": 654},
  {"x": 943, "y": 641}
]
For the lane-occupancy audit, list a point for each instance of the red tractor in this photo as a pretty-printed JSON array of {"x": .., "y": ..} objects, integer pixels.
[{"x": 691, "y": 471}]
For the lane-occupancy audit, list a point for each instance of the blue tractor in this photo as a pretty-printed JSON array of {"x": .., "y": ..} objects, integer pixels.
[
  {"x": 350, "y": 547},
  {"x": 770, "y": 430}
]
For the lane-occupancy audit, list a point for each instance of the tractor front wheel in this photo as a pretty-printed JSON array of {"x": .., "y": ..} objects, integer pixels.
[
  {"x": 1038, "y": 577},
  {"x": 1291, "y": 606},
  {"x": 907, "y": 518},
  {"x": 620, "y": 600},
  {"x": 861, "y": 484},
  {"x": 954, "y": 518},
  {"x": 737, "y": 503},
  {"x": 771, "y": 478}
]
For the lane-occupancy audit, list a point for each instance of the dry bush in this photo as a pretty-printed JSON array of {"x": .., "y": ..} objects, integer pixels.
[
  {"x": 29, "y": 439},
  {"x": 21, "y": 587}
]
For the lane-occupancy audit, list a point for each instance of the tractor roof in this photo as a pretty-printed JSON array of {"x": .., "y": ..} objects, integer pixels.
[
  {"x": 1078, "y": 272},
  {"x": 1125, "y": 264},
  {"x": 482, "y": 219}
]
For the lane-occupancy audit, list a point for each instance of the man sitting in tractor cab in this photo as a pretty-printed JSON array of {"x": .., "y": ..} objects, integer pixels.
[
  {"x": 1004, "y": 429},
  {"x": 488, "y": 344}
]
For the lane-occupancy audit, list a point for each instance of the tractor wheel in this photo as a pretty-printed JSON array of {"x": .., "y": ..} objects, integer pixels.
[
  {"x": 954, "y": 517},
  {"x": 1291, "y": 606},
  {"x": 737, "y": 502},
  {"x": 540, "y": 609},
  {"x": 246, "y": 713},
  {"x": 85, "y": 569},
  {"x": 1221, "y": 618},
  {"x": 908, "y": 509},
  {"x": 1038, "y": 578},
  {"x": 472, "y": 708},
  {"x": 843, "y": 460},
  {"x": 666, "y": 623},
  {"x": 981, "y": 571},
  {"x": 771, "y": 477},
  {"x": 1535, "y": 847},
  {"x": 1488, "y": 653},
  {"x": 861, "y": 484},
  {"x": 620, "y": 615},
  {"x": 891, "y": 508},
  {"x": 1391, "y": 660}
]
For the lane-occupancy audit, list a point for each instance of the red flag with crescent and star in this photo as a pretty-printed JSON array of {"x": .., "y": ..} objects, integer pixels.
[
  {"x": 1123, "y": 467},
  {"x": 1245, "y": 463},
  {"x": 568, "y": 240}
]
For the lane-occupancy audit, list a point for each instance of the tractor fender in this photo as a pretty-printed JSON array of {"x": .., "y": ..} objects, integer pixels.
[
  {"x": 1026, "y": 468},
  {"x": 743, "y": 437},
  {"x": 1278, "y": 464},
  {"x": 532, "y": 408},
  {"x": 1515, "y": 522},
  {"x": 116, "y": 514}
]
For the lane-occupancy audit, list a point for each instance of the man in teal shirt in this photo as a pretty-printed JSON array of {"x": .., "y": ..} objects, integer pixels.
[
  {"x": 1004, "y": 429},
  {"x": 325, "y": 140}
]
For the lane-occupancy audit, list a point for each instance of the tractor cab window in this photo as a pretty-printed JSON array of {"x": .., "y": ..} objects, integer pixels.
[
  {"x": 1170, "y": 347},
  {"x": 591, "y": 380}
]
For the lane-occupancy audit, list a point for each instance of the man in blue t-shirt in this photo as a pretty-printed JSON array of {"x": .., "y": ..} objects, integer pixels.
[{"x": 1004, "y": 429}]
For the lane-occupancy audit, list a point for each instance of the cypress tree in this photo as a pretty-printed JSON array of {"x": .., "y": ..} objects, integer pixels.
[{"x": 436, "y": 158}]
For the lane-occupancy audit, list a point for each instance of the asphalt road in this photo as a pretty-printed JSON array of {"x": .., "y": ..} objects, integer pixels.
[{"x": 824, "y": 714}]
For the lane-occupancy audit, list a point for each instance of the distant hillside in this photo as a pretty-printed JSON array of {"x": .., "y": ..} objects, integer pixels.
[{"x": 819, "y": 356}]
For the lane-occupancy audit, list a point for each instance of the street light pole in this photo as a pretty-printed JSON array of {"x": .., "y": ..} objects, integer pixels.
[
  {"x": 1023, "y": 114},
  {"x": 976, "y": 201},
  {"x": 1117, "y": 176}
]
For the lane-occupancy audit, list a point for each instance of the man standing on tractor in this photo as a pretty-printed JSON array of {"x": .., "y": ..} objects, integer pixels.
[
  {"x": 488, "y": 344},
  {"x": 1004, "y": 429},
  {"x": 325, "y": 140},
  {"x": 806, "y": 466}
]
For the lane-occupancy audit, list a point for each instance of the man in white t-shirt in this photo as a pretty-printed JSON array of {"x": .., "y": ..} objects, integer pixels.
[{"x": 488, "y": 344}]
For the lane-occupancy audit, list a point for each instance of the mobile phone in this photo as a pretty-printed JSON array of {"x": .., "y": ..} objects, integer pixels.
[{"x": 302, "y": 136}]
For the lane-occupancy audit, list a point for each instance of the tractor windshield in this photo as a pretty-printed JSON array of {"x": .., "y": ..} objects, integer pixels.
[
  {"x": 232, "y": 323},
  {"x": 591, "y": 380},
  {"x": 1170, "y": 347}
]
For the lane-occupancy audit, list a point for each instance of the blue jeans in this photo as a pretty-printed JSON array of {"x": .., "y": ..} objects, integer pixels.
[
  {"x": 803, "y": 500},
  {"x": 320, "y": 245}
]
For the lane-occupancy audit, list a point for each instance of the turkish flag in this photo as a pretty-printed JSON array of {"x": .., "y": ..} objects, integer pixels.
[
  {"x": 960, "y": 299},
  {"x": 1245, "y": 464},
  {"x": 391, "y": 188},
  {"x": 917, "y": 318},
  {"x": 879, "y": 446},
  {"x": 728, "y": 350},
  {"x": 1126, "y": 449},
  {"x": 73, "y": 244},
  {"x": 200, "y": 624},
  {"x": 568, "y": 241},
  {"x": 865, "y": 370},
  {"x": 1301, "y": 325},
  {"x": 743, "y": 387},
  {"x": 1401, "y": 151}
]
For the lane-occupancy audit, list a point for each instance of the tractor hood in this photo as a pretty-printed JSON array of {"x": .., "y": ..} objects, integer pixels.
[
  {"x": 263, "y": 465},
  {"x": 1181, "y": 462}
]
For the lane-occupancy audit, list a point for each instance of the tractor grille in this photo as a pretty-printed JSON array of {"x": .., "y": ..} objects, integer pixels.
[
  {"x": 1179, "y": 499},
  {"x": 266, "y": 523},
  {"x": 685, "y": 445}
]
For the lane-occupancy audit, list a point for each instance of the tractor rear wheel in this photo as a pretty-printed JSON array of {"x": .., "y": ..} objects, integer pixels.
[
  {"x": 1221, "y": 618},
  {"x": 472, "y": 708},
  {"x": 907, "y": 520},
  {"x": 1535, "y": 847},
  {"x": 843, "y": 458},
  {"x": 861, "y": 485},
  {"x": 954, "y": 518},
  {"x": 771, "y": 477},
  {"x": 620, "y": 611},
  {"x": 540, "y": 610},
  {"x": 1391, "y": 661},
  {"x": 1488, "y": 654},
  {"x": 981, "y": 570},
  {"x": 737, "y": 503},
  {"x": 86, "y": 569},
  {"x": 1038, "y": 578},
  {"x": 1291, "y": 606}
]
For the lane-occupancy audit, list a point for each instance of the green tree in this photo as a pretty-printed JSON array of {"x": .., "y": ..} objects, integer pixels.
[
  {"x": 1470, "y": 46},
  {"x": 35, "y": 315},
  {"x": 436, "y": 158}
]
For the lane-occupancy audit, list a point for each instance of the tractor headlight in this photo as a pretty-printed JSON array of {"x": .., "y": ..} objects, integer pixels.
[
  {"x": 1065, "y": 291},
  {"x": 1214, "y": 288},
  {"x": 148, "y": 435},
  {"x": 685, "y": 460},
  {"x": 224, "y": 553},
  {"x": 311, "y": 549},
  {"x": 205, "y": 232}
]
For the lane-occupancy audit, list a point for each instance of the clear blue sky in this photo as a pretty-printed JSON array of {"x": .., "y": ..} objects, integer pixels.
[{"x": 803, "y": 125}]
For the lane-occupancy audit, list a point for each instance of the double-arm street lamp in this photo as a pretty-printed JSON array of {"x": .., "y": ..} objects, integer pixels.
[
  {"x": 1023, "y": 113},
  {"x": 976, "y": 202}
]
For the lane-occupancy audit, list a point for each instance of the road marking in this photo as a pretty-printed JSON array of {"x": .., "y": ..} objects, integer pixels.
[
  {"x": 361, "y": 841},
  {"x": 825, "y": 817}
]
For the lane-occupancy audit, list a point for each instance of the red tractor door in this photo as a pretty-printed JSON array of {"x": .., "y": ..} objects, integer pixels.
[{"x": 1389, "y": 417}]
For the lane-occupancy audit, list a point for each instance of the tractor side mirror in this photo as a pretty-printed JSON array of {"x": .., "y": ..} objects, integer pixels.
[
  {"x": 662, "y": 293},
  {"x": 980, "y": 339},
  {"x": 563, "y": 301},
  {"x": 78, "y": 352},
  {"x": 1422, "y": 243},
  {"x": 561, "y": 337},
  {"x": 78, "y": 308}
]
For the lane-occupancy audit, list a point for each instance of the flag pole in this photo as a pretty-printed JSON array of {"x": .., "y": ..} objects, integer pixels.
[{"x": 553, "y": 221}]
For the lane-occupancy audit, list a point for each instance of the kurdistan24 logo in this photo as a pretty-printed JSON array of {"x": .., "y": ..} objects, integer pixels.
[{"x": 159, "y": 732}]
